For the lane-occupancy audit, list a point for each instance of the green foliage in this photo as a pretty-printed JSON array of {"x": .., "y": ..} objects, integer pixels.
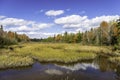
[
  {"x": 79, "y": 37},
  {"x": 116, "y": 47}
]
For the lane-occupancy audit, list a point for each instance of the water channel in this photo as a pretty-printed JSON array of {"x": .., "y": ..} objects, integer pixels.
[{"x": 98, "y": 69}]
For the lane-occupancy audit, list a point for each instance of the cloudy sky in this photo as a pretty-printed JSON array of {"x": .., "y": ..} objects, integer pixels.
[{"x": 43, "y": 18}]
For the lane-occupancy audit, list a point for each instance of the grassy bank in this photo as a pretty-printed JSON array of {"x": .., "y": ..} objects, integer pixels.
[
  {"x": 115, "y": 60},
  {"x": 23, "y": 55},
  {"x": 7, "y": 61}
]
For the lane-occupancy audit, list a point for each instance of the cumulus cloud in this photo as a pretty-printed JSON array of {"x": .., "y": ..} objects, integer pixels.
[
  {"x": 23, "y": 26},
  {"x": 1, "y": 17},
  {"x": 29, "y": 28},
  {"x": 72, "y": 19},
  {"x": 14, "y": 22},
  {"x": 42, "y": 25},
  {"x": 34, "y": 34},
  {"x": 20, "y": 28},
  {"x": 54, "y": 12},
  {"x": 82, "y": 23}
]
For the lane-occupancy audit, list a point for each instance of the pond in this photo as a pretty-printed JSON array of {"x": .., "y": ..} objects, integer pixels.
[{"x": 98, "y": 69}]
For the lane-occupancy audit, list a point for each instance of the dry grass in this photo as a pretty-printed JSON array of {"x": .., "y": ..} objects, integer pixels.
[
  {"x": 7, "y": 61},
  {"x": 115, "y": 60},
  {"x": 65, "y": 53},
  {"x": 59, "y": 52}
]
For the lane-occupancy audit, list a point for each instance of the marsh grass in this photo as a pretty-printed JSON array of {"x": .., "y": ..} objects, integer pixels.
[
  {"x": 48, "y": 52},
  {"x": 115, "y": 60},
  {"x": 59, "y": 52},
  {"x": 7, "y": 61}
]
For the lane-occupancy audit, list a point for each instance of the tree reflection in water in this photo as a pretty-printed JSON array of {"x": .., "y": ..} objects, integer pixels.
[
  {"x": 98, "y": 69},
  {"x": 105, "y": 65}
]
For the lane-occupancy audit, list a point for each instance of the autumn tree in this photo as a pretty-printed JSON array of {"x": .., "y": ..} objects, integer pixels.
[
  {"x": 58, "y": 38},
  {"x": 7, "y": 38},
  {"x": 108, "y": 33}
]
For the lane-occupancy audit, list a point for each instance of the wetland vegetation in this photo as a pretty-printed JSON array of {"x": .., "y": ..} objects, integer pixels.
[{"x": 25, "y": 54}]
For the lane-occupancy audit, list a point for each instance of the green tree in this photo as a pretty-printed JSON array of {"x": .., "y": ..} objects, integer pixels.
[{"x": 79, "y": 37}]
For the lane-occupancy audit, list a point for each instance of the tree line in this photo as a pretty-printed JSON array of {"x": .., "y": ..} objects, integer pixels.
[
  {"x": 8, "y": 38},
  {"x": 108, "y": 33}
]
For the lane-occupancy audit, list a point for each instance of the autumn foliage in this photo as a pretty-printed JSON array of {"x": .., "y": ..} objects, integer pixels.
[
  {"x": 108, "y": 33},
  {"x": 7, "y": 38}
]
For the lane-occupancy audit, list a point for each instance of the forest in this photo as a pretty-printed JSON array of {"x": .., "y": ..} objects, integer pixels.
[{"x": 108, "y": 33}]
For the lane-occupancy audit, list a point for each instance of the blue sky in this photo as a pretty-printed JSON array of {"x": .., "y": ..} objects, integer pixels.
[{"x": 43, "y": 18}]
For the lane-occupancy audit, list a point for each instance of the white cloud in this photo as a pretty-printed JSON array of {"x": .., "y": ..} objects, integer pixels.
[
  {"x": 21, "y": 24},
  {"x": 15, "y": 22},
  {"x": 82, "y": 23},
  {"x": 21, "y": 28},
  {"x": 44, "y": 33},
  {"x": 50, "y": 34},
  {"x": 43, "y": 25},
  {"x": 1, "y": 17},
  {"x": 72, "y": 19},
  {"x": 34, "y": 34},
  {"x": 24, "y": 26},
  {"x": 54, "y": 12},
  {"x": 32, "y": 27}
]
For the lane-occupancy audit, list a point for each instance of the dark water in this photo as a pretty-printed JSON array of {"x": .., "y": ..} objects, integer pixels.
[{"x": 98, "y": 69}]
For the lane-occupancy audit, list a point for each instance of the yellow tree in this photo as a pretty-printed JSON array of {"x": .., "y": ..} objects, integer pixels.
[
  {"x": 58, "y": 38},
  {"x": 105, "y": 32}
]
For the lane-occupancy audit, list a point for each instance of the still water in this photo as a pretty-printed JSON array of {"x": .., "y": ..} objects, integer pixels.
[{"x": 98, "y": 69}]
